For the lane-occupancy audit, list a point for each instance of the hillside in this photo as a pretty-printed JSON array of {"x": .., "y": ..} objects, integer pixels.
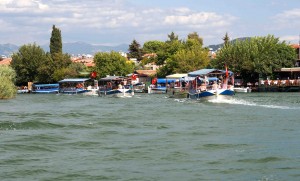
[
  {"x": 86, "y": 48},
  {"x": 70, "y": 48}
]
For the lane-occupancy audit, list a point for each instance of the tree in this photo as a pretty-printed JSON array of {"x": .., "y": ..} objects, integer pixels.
[
  {"x": 112, "y": 64},
  {"x": 172, "y": 37},
  {"x": 152, "y": 46},
  {"x": 27, "y": 61},
  {"x": 258, "y": 56},
  {"x": 191, "y": 60},
  {"x": 135, "y": 50},
  {"x": 7, "y": 77},
  {"x": 183, "y": 56},
  {"x": 226, "y": 39},
  {"x": 55, "y": 41},
  {"x": 61, "y": 61},
  {"x": 195, "y": 36}
]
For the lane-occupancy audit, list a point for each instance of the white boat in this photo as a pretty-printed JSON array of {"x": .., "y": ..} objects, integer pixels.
[
  {"x": 115, "y": 86},
  {"x": 121, "y": 92},
  {"x": 177, "y": 88},
  {"x": 207, "y": 84},
  {"x": 242, "y": 89},
  {"x": 73, "y": 86}
]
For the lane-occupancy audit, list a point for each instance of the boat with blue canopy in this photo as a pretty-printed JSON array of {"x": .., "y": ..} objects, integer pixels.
[
  {"x": 45, "y": 88},
  {"x": 115, "y": 86},
  {"x": 159, "y": 85},
  {"x": 73, "y": 85},
  {"x": 206, "y": 84}
]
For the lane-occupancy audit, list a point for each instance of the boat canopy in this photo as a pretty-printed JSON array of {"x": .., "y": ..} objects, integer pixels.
[
  {"x": 110, "y": 78},
  {"x": 208, "y": 71},
  {"x": 73, "y": 80},
  {"x": 45, "y": 85},
  {"x": 186, "y": 79},
  {"x": 163, "y": 81},
  {"x": 176, "y": 76}
]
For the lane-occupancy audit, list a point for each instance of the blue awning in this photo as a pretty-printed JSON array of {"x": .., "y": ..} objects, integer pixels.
[{"x": 163, "y": 81}]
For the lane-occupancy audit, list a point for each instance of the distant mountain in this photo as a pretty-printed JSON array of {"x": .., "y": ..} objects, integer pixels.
[
  {"x": 216, "y": 47},
  {"x": 70, "y": 48},
  {"x": 86, "y": 48},
  {"x": 8, "y": 49}
]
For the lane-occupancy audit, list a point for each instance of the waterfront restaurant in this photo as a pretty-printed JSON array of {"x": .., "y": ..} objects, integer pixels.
[{"x": 288, "y": 80}]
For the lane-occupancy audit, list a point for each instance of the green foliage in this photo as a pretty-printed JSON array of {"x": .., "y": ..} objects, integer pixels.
[
  {"x": 191, "y": 60},
  {"x": 135, "y": 50},
  {"x": 152, "y": 46},
  {"x": 172, "y": 37},
  {"x": 179, "y": 56},
  {"x": 55, "y": 41},
  {"x": 61, "y": 60},
  {"x": 256, "y": 56},
  {"x": 195, "y": 36},
  {"x": 226, "y": 39},
  {"x": 72, "y": 71},
  {"x": 112, "y": 64},
  {"x": 7, "y": 77},
  {"x": 27, "y": 61}
]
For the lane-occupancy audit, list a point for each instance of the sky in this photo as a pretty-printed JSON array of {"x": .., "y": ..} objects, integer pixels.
[{"x": 114, "y": 22}]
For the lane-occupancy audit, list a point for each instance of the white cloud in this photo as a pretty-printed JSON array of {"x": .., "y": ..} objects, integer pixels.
[
  {"x": 200, "y": 19},
  {"x": 103, "y": 17},
  {"x": 288, "y": 19},
  {"x": 290, "y": 38}
]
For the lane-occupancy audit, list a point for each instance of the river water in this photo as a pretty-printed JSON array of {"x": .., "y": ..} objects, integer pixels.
[{"x": 254, "y": 136}]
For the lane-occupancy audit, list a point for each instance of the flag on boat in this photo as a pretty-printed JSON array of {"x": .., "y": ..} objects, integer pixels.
[
  {"x": 133, "y": 76},
  {"x": 226, "y": 73},
  {"x": 154, "y": 80},
  {"x": 93, "y": 74}
]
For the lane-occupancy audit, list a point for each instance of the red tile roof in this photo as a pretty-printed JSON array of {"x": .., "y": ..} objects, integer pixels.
[{"x": 5, "y": 61}]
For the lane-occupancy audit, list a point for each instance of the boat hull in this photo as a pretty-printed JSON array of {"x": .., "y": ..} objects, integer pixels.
[
  {"x": 211, "y": 94},
  {"x": 157, "y": 90},
  {"x": 72, "y": 91},
  {"x": 116, "y": 93},
  {"x": 242, "y": 90}
]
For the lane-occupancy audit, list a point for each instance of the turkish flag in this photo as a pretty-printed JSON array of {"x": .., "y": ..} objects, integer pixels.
[
  {"x": 93, "y": 75},
  {"x": 133, "y": 77},
  {"x": 154, "y": 80},
  {"x": 226, "y": 73}
]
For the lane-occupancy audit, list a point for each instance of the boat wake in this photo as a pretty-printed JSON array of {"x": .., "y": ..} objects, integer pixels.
[{"x": 249, "y": 103}]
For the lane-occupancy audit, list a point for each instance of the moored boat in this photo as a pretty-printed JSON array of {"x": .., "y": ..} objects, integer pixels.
[
  {"x": 115, "y": 86},
  {"x": 73, "y": 86},
  {"x": 45, "y": 88}
]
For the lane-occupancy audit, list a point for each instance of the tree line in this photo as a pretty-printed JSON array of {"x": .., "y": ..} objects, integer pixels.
[{"x": 251, "y": 58}]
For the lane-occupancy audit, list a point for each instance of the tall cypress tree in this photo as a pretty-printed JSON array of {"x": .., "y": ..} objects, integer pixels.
[
  {"x": 226, "y": 39},
  {"x": 55, "y": 41}
]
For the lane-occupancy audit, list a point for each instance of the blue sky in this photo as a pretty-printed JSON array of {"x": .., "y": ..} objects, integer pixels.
[{"x": 113, "y": 22}]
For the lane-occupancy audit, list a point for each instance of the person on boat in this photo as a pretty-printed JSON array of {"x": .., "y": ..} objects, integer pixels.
[
  {"x": 203, "y": 87},
  {"x": 215, "y": 86},
  {"x": 119, "y": 86}
]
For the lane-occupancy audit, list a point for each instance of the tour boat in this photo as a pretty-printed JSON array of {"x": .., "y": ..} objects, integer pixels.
[
  {"x": 45, "y": 88},
  {"x": 211, "y": 84}
]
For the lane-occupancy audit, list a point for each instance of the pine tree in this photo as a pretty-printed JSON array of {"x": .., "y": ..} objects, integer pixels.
[
  {"x": 135, "y": 50},
  {"x": 226, "y": 39}
]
